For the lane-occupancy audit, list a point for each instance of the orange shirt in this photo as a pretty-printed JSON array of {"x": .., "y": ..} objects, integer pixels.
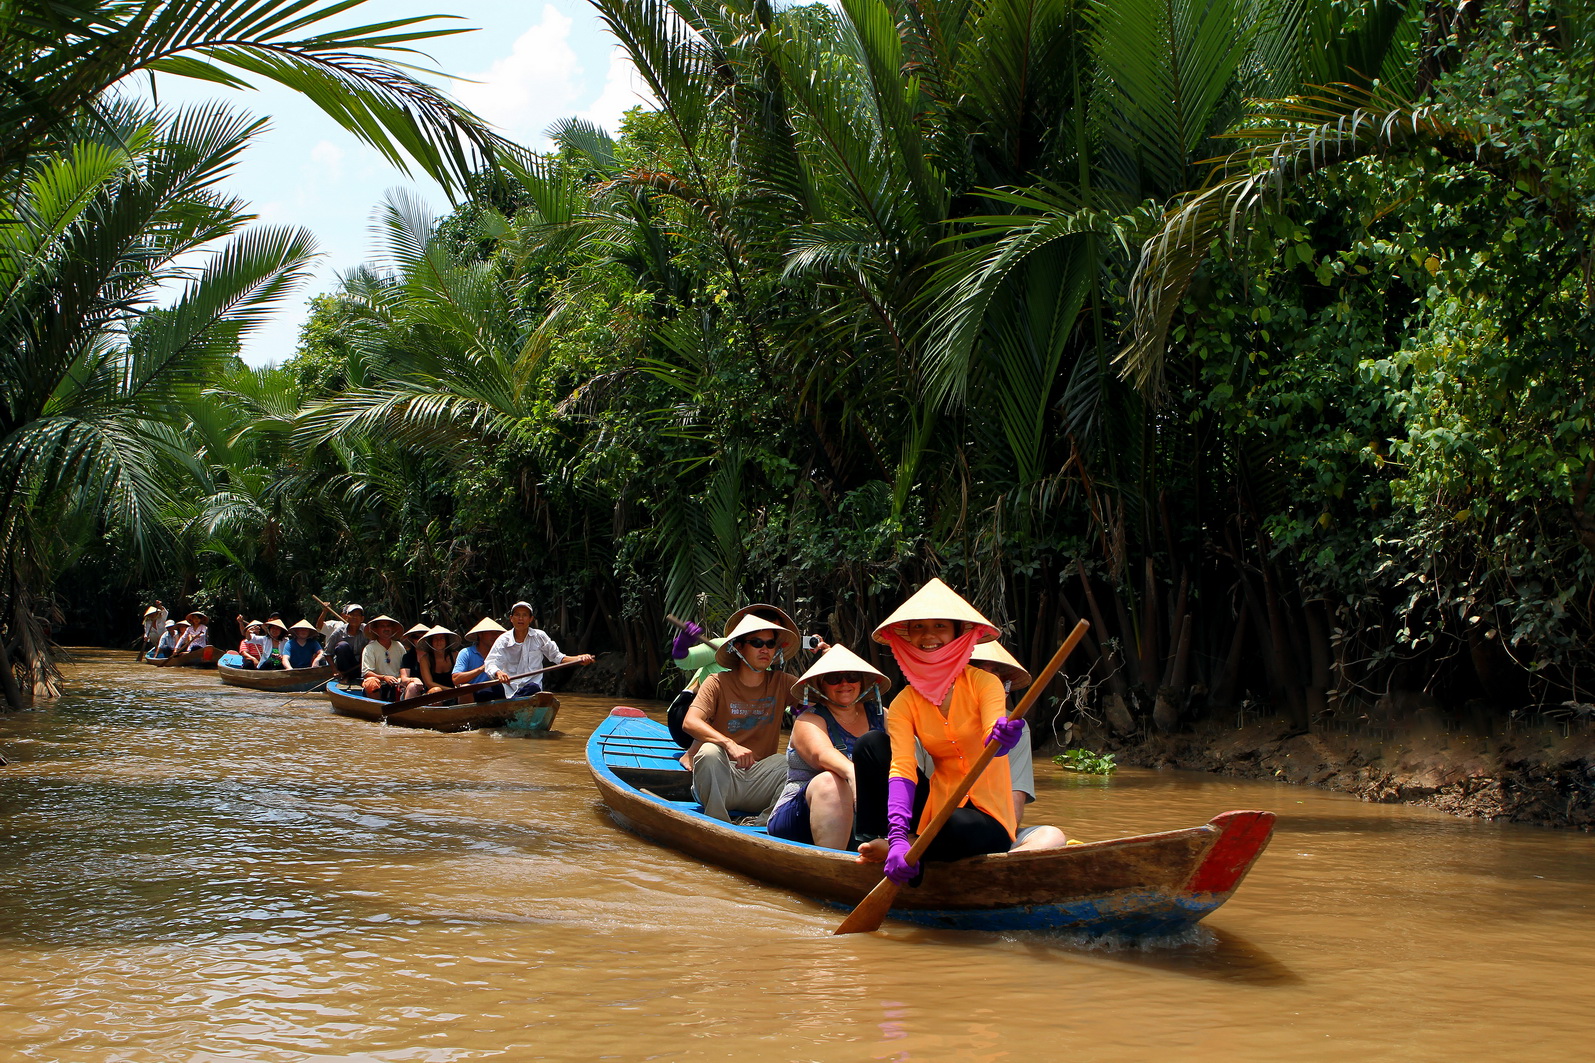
[{"x": 953, "y": 743}]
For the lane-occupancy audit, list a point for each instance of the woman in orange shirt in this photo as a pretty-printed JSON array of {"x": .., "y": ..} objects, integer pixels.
[{"x": 952, "y": 709}]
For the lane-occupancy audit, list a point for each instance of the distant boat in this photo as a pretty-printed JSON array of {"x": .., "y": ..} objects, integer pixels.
[
  {"x": 204, "y": 657},
  {"x": 277, "y": 680},
  {"x": 541, "y": 707},
  {"x": 1148, "y": 884}
]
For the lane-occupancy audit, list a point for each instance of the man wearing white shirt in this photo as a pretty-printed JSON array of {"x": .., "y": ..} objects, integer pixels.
[{"x": 523, "y": 649}]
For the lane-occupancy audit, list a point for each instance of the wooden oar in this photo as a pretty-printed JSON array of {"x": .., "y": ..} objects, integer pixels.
[
  {"x": 332, "y": 608},
  {"x": 682, "y": 625},
  {"x": 873, "y": 908},
  {"x": 317, "y": 689},
  {"x": 453, "y": 692}
]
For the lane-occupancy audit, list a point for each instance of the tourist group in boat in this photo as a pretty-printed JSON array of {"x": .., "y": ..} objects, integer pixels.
[
  {"x": 856, "y": 775},
  {"x": 378, "y": 656}
]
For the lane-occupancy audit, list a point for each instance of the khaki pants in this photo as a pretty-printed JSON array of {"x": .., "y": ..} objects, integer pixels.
[{"x": 720, "y": 786}]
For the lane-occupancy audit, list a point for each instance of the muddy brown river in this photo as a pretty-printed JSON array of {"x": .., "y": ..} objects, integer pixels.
[{"x": 193, "y": 873}]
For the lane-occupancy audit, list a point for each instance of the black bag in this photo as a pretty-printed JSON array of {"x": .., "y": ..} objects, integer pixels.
[{"x": 677, "y": 714}]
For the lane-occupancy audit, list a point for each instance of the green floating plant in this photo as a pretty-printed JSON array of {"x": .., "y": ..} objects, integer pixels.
[{"x": 1083, "y": 760}]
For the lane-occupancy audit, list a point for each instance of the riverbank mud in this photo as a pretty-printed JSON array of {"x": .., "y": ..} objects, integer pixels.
[{"x": 1541, "y": 776}]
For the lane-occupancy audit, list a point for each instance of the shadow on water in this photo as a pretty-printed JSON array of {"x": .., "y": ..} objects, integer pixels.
[
  {"x": 1203, "y": 952},
  {"x": 1207, "y": 953}
]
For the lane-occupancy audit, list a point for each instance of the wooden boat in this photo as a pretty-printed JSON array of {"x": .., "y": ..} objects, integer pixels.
[
  {"x": 204, "y": 657},
  {"x": 1149, "y": 884},
  {"x": 277, "y": 680},
  {"x": 543, "y": 708}
]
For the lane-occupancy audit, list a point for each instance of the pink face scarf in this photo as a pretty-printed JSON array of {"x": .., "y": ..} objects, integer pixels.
[{"x": 934, "y": 672}]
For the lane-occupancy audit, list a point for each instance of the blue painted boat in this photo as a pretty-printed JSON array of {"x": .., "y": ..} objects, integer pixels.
[
  {"x": 540, "y": 709},
  {"x": 1149, "y": 884}
]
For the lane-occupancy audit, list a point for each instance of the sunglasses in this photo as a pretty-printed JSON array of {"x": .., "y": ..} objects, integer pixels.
[
  {"x": 833, "y": 678},
  {"x": 760, "y": 644}
]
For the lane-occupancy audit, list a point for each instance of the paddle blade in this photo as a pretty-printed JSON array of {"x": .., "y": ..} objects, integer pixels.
[{"x": 870, "y": 911}]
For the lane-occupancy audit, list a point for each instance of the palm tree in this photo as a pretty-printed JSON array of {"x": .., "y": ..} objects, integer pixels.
[
  {"x": 60, "y": 58},
  {"x": 98, "y": 374}
]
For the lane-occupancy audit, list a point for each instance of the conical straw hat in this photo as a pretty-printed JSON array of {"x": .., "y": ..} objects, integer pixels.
[
  {"x": 726, "y": 655},
  {"x": 1008, "y": 669},
  {"x": 488, "y": 625},
  {"x": 842, "y": 659},
  {"x": 439, "y": 629},
  {"x": 767, "y": 612},
  {"x": 383, "y": 619},
  {"x": 199, "y": 613},
  {"x": 416, "y": 631},
  {"x": 278, "y": 624},
  {"x": 937, "y": 601},
  {"x": 305, "y": 625},
  {"x": 151, "y": 611}
]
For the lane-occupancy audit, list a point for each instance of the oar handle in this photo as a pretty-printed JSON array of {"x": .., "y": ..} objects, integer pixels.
[
  {"x": 334, "y": 608},
  {"x": 872, "y": 909},
  {"x": 682, "y": 625}
]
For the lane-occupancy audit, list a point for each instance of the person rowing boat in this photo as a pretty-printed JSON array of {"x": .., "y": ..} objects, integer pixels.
[
  {"x": 952, "y": 710},
  {"x": 524, "y": 648}
]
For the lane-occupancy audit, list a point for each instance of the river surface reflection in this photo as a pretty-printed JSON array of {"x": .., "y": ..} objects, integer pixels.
[{"x": 192, "y": 872}]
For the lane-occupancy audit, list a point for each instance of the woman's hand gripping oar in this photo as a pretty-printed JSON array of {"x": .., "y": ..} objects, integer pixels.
[{"x": 873, "y": 908}]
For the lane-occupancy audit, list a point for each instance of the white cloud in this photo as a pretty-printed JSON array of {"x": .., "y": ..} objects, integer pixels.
[
  {"x": 539, "y": 82},
  {"x": 328, "y": 158},
  {"x": 623, "y": 89}
]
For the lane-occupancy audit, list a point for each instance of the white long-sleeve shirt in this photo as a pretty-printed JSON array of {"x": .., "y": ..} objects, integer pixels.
[
  {"x": 194, "y": 638},
  {"x": 154, "y": 625},
  {"x": 528, "y": 655}
]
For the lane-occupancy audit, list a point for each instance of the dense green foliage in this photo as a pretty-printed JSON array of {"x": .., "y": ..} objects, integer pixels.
[{"x": 1258, "y": 332}]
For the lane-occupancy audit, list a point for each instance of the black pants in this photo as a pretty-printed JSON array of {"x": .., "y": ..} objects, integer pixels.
[
  {"x": 344, "y": 659},
  {"x": 970, "y": 832}
]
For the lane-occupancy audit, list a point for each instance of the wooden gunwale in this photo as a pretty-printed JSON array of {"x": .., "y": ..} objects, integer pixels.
[{"x": 1135, "y": 884}]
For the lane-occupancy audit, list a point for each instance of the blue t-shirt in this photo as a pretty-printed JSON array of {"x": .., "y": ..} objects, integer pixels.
[
  {"x": 301, "y": 656},
  {"x": 469, "y": 660}
]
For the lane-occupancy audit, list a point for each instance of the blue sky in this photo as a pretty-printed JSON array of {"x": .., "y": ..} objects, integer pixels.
[{"x": 531, "y": 63}]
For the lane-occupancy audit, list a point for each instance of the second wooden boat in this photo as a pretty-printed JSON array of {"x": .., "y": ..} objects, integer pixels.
[
  {"x": 204, "y": 657},
  {"x": 1148, "y": 884},
  {"x": 541, "y": 709},
  {"x": 276, "y": 680}
]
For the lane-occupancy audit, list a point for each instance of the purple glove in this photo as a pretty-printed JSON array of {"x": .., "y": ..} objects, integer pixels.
[
  {"x": 900, "y": 817},
  {"x": 686, "y": 638},
  {"x": 1006, "y": 733}
]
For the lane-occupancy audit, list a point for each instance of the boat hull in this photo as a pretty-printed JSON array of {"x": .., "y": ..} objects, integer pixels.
[
  {"x": 544, "y": 708},
  {"x": 201, "y": 658},
  {"x": 1149, "y": 884},
  {"x": 274, "y": 680}
]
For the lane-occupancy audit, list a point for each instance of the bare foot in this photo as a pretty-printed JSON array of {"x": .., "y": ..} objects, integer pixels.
[{"x": 873, "y": 852}]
